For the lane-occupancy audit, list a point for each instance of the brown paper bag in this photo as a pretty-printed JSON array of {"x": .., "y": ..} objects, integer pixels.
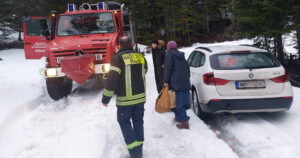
[{"x": 165, "y": 100}]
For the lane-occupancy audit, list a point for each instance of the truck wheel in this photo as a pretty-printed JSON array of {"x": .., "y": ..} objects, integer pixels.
[
  {"x": 59, "y": 87},
  {"x": 197, "y": 108}
]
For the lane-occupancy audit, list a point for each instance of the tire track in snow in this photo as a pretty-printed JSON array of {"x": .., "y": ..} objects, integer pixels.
[
  {"x": 20, "y": 109},
  {"x": 115, "y": 144},
  {"x": 286, "y": 122},
  {"x": 172, "y": 138},
  {"x": 26, "y": 132},
  {"x": 251, "y": 136},
  {"x": 43, "y": 123},
  {"x": 165, "y": 140}
]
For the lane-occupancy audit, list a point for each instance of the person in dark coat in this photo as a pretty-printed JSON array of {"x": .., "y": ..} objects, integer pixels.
[
  {"x": 154, "y": 56},
  {"x": 177, "y": 77},
  {"x": 160, "y": 62}
]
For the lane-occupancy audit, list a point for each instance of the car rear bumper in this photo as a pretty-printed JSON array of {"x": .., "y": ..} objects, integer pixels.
[{"x": 248, "y": 105}]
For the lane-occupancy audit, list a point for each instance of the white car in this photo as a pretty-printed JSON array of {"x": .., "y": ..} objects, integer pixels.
[{"x": 237, "y": 79}]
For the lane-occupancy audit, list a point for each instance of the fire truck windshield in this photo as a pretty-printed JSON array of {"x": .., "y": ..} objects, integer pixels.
[{"x": 82, "y": 24}]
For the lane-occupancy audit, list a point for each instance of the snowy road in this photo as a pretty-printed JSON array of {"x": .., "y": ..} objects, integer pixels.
[{"x": 34, "y": 126}]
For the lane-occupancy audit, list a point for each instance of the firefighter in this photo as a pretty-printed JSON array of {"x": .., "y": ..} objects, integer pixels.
[{"x": 126, "y": 79}]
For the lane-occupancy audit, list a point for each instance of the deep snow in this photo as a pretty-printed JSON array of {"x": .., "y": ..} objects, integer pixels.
[{"x": 34, "y": 126}]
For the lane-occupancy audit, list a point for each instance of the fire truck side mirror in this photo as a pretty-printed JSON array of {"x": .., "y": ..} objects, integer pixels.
[
  {"x": 126, "y": 22},
  {"x": 46, "y": 33},
  {"x": 44, "y": 26}
]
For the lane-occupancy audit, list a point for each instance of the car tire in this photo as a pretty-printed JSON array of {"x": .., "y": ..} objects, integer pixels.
[
  {"x": 59, "y": 87},
  {"x": 197, "y": 108}
]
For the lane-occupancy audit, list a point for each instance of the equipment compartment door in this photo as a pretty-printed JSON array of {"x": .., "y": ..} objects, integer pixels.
[{"x": 35, "y": 43}]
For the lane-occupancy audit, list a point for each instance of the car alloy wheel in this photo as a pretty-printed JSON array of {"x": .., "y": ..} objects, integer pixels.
[{"x": 195, "y": 102}]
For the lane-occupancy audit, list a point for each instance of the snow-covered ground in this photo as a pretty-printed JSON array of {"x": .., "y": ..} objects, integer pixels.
[{"x": 34, "y": 126}]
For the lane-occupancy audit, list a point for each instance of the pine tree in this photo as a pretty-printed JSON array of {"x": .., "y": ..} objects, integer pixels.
[
  {"x": 296, "y": 22},
  {"x": 264, "y": 18}
]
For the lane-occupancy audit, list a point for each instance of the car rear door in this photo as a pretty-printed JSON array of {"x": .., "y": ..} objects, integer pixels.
[
  {"x": 35, "y": 44},
  {"x": 250, "y": 74},
  {"x": 196, "y": 62}
]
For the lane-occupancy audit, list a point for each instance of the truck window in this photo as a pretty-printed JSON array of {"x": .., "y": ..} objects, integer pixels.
[
  {"x": 33, "y": 27},
  {"x": 81, "y": 24}
]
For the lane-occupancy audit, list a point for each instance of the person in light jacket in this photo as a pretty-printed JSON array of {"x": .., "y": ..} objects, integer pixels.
[{"x": 177, "y": 77}]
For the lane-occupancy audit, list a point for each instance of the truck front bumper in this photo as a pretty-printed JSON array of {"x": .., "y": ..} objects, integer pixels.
[{"x": 57, "y": 72}]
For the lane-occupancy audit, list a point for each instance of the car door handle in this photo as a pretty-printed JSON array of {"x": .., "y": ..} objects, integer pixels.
[{"x": 27, "y": 43}]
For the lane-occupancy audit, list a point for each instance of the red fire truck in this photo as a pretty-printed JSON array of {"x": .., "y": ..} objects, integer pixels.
[{"x": 77, "y": 44}]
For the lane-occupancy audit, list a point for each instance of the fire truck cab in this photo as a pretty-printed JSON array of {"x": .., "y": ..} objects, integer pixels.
[{"x": 77, "y": 44}]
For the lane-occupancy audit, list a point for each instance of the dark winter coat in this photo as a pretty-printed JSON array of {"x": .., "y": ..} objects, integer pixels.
[
  {"x": 154, "y": 57},
  {"x": 154, "y": 54},
  {"x": 160, "y": 62},
  {"x": 177, "y": 71},
  {"x": 160, "y": 57}
]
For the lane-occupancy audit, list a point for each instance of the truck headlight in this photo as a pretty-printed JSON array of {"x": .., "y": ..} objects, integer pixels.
[
  {"x": 105, "y": 68},
  {"x": 50, "y": 72}
]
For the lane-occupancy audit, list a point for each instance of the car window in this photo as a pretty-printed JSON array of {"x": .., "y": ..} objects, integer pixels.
[
  {"x": 234, "y": 61},
  {"x": 196, "y": 59},
  {"x": 202, "y": 61},
  {"x": 191, "y": 58}
]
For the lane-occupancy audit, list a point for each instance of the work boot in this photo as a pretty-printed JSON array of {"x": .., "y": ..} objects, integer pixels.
[
  {"x": 136, "y": 156},
  {"x": 183, "y": 125},
  {"x": 137, "y": 152}
]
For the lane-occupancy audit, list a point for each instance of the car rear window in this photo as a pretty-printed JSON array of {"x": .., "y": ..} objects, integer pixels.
[{"x": 233, "y": 61}]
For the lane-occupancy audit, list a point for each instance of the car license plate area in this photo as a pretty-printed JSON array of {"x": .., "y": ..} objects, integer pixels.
[{"x": 250, "y": 84}]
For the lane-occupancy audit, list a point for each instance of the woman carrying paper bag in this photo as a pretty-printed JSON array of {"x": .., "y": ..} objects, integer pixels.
[{"x": 177, "y": 78}]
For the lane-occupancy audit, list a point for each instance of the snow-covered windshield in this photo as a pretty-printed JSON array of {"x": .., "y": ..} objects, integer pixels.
[
  {"x": 233, "y": 61},
  {"x": 81, "y": 24}
]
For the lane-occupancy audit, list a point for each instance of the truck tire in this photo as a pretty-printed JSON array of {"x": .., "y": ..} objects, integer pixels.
[{"x": 59, "y": 87}]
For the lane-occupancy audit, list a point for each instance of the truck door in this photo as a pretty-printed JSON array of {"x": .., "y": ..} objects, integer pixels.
[{"x": 35, "y": 41}]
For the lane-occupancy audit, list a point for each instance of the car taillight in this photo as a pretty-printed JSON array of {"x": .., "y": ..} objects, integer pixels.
[
  {"x": 210, "y": 79},
  {"x": 281, "y": 79}
]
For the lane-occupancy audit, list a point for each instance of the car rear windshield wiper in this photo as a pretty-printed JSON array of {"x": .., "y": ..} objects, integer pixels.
[{"x": 257, "y": 67}]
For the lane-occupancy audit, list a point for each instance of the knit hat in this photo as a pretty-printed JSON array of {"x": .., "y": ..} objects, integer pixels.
[
  {"x": 171, "y": 45},
  {"x": 155, "y": 42}
]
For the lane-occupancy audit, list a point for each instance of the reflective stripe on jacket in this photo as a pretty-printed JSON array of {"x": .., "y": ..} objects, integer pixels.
[{"x": 126, "y": 78}]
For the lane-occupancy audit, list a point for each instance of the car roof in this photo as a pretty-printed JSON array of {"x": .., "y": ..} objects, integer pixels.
[{"x": 230, "y": 48}]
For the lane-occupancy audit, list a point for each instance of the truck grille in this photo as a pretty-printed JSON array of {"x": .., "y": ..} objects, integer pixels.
[
  {"x": 93, "y": 51},
  {"x": 99, "y": 45},
  {"x": 72, "y": 52}
]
